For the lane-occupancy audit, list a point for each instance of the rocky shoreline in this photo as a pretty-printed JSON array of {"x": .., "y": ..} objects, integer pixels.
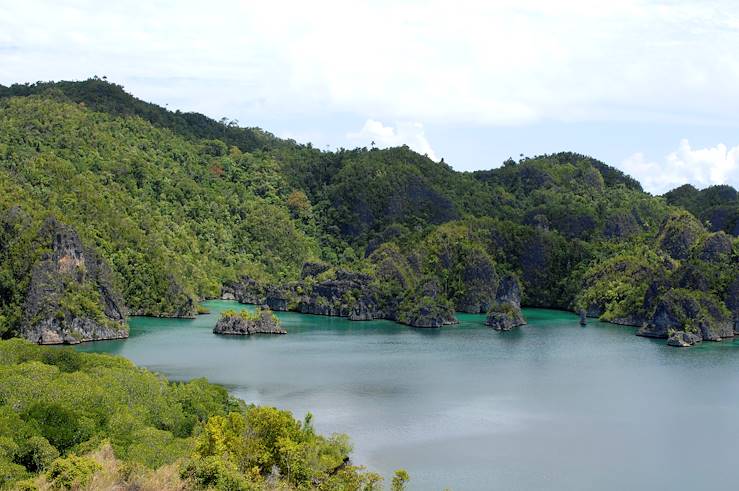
[
  {"x": 358, "y": 297},
  {"x": 71, "y": 298}
]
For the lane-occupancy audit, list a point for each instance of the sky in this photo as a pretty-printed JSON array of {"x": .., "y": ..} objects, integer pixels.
[{"x": 650, "y": 87}]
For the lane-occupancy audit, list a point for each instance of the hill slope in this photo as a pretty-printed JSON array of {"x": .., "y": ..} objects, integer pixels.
[{"x": 180, "y": 207}]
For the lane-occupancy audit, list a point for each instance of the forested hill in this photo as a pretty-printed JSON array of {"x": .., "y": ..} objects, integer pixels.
[
  {"x": 171, "y": 207},
  {"x": 716, "y": 206},
  {"x": 100, "y": 95}
]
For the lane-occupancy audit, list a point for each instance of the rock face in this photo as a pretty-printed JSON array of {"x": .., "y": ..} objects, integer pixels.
[
  {"x": 620, "y": 225},
  {"x": 313, "y": 269},
  {"x": 346, "y": 295},
  {"x": 506, "y": 313},
  {"x": 357, "y": 296},
  {"x": 249, "y": 291},
  {"x": 715, "y": 247},
  {"x": 246, "y": 290},
  {"x": 70, "y": 298},
  {"x": 502, "y": 320},
  {"x": 681, "y": 310},
  {"x": 426, "y": 307},
  {"x": 678, "y": 233},
  {"x": 732, "y": 302},
  {"x": 367, "y": 307},
  {"x": 683, "y": 339},
  {"x": 480, "y": 281},
  {"x": 244, "y": 324}
]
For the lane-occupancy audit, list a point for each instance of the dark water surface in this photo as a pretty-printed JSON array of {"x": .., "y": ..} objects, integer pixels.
[{"x": 548, "y": 406}]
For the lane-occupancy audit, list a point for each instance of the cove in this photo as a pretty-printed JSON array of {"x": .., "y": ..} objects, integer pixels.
[{"x": 550, "y": 405}]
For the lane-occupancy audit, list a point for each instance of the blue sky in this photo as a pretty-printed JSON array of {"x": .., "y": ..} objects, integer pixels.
[{"x": 651, "y": 87}]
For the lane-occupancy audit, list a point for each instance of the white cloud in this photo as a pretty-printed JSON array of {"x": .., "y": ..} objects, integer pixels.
[
  {"x": 701, "y": 167},
  {"x": 465, "y": 62},
  {"x": 404, "y": 133}
]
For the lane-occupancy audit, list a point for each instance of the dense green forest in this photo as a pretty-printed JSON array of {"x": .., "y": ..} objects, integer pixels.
[
  {"x": 715, "y": 206},
  {"x": 72, "y": 420},
  {"x": 179, "y": 207}
]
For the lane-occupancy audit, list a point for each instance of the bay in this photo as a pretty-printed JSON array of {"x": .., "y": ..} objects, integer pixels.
[{"x": 550, "y": 405}]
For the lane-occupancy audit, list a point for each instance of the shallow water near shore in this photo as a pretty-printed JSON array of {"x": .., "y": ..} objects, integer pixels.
[{"x": 550, "y": 405}]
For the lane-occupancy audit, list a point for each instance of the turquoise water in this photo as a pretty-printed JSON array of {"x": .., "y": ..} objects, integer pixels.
[{"x": 551, "y": 405}]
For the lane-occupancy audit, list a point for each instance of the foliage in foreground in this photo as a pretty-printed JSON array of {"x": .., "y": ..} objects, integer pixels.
[{"x": 67, "y": 418}]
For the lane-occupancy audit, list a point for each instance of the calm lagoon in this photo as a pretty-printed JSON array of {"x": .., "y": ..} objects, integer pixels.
[{"x": 551, "y": 405}]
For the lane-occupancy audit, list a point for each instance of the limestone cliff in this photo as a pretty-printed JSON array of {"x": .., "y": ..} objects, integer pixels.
[
  {"x": 506, "y": 312},
  {"x": 71, "y": 297}
]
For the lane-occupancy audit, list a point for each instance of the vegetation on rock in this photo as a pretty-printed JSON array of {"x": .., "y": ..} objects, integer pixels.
[
  {"x": 181, "y": 207},
  {"x": 262, "y": 321}
]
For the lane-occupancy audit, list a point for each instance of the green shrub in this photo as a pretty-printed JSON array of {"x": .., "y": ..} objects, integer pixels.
[
  {"x": 400, "y": 479},
  {"x": 213, "y": 472},
  {"x": 10, "y": 473},
  {"x": 36, "y": 454},
  {"x": 71, "y": 472},
  {"x": 62, "y": 427}
]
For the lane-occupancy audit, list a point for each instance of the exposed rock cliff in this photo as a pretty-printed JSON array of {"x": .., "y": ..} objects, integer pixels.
[
  {"x": 244, "y": 323},
  {"x": 732, "y": 302},
  {"x": 692, "y": 312},
  {"x": 426, "y": 307},
  {"x": 245, "y": 290},
  {"x": 481, "y": 281},
  {"x": 506, "y": 312},
  {"x": 343, "y": 294},
  {"x": 249, "y": 291},
  {"x": 390, "y": 295},
  {"x": 70, "y": 298},
  {"x": 715, "y": 247},
  {"x": 678, "y": 233},
  {"x": 347, "y": 295}
]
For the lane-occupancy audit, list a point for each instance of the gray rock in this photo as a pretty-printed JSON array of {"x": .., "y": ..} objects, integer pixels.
[
  {"x": 731, "y": 300},
  {"x": 506, "y": 312},
  {"x": 677, "y": 309},
  {"x": 52, "y": 313},
  {"x": 427, "y": 307},
  {"x": 347, "y": 295},
  {"x": 313, "y": 269},
  {"x": 236, "y": 324},
  {"x": 715, "y": 247},
  {"x": 509, "y": 291},
  {"x": 683, "y": 339},
  {"x": 678, "y": 233},
  {"x": 366, "y": 309},
  {"x": 481, "y": 283},
  {"x": 621, "y": 224},
  {"x": 245, "y": 290},
  {"x": 634, "y": 320},
  {"x": 505, "y": 320},
  {"x": 595, "y": 310}
]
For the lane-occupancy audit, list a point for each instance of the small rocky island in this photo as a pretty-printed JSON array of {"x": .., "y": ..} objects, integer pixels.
[
  {"x": 245, "y": 323},
  {"x": 505, "y": 313}
]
